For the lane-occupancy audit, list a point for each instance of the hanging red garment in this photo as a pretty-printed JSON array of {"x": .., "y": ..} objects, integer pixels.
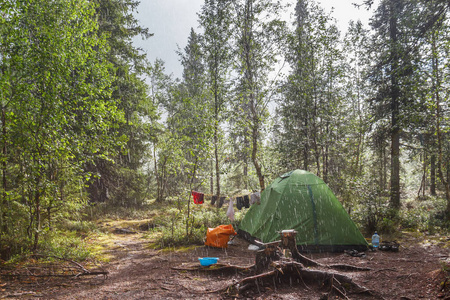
[{"x": 198, "y": 197}]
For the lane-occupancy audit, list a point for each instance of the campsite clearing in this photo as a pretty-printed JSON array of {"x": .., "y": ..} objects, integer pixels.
[{"x": 139, "y": 272}]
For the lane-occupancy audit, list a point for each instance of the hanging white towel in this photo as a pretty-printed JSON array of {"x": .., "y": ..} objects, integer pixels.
[
  {"x": 255, "y": 198},
  {"x": 230, "y": 210}
]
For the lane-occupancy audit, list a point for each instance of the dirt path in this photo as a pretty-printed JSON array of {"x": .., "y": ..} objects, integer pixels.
[{"x": 138, "y": 272}]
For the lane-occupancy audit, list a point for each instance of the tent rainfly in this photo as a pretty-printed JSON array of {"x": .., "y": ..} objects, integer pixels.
[{"x": 302, "y": 201}]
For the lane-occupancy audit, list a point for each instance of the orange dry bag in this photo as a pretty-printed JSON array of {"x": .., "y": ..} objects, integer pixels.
[{"x": 218, "y": 237}]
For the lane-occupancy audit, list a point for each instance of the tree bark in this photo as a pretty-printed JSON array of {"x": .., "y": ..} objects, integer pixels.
[
  {"x": 3, "y": 211},
  {"x": 395, "y": 110},
  {"x": 155, "y": 163},
  {"x": 189, "y": 198},
  {"x": 441, "y": 163},
  {"x": 211, "y": 179},
  {"x": 252, "y": 94},
  {"x": 37, "y": 213},
  {"x": 216, "y": 157},
  {"x": 433, "y": 175}
]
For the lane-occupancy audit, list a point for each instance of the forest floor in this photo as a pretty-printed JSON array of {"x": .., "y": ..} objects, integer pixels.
[{"x": 136, "y": 271}]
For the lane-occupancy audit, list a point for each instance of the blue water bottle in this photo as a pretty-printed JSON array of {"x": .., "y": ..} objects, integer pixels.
[{"x": 375, "y": 240}]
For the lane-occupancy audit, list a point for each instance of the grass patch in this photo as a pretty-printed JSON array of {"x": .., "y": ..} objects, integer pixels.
[{"x": 109, "y": 213}]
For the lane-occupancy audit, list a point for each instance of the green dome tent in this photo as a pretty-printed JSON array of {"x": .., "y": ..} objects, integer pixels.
[{"x": 302, "y": 201}]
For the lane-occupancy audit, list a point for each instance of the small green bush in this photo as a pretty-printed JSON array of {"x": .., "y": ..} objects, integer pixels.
[
  {"x": 13, "y": 245},
  {"x": 63, "y": 244},
  {"x": 372, "y": 214},
  {"x": 425, "y": 215}
]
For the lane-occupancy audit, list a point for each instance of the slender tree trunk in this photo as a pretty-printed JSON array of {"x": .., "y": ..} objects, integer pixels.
[
  {"x": 255, "y": 159},
  {"x": 422, "y": 186},
  {"x": 157, "y": 177},
  {"x": 356, "y": 169},
  {"x": 305, "y": 146},
  {"x": 441, "y": 162},
  {"x": 358, "y": 166},
  {"x": 395, "y": 162},
  {"x": 216, "y": 122},
  {"x": 37, "y": 213},
  {"x": 189, "y": 198},
  {"x": 395, "y": 111},
  {"x": 49, "y": 218},
  {"x": 216, "y": 140},
  {"x": 433, "y": 174},
  {"x": 314, "y": 141},
  {"x": 216, "y": 156},
  {"x": 381, "y": 168},
  {"x": 211, "y": 179},
  {"x": 161, "y": 181},
  {"x": 245, "y": 168},
  {"x": 325, "y": 155},
  {"x": 251, "y": 92},
  {"x": 4, "y": 208}
]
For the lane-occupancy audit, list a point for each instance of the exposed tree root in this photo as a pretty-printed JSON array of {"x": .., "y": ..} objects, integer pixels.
[
  {"x": 285, "y": 272},
  {"x": 218, "y": 268},
  {"x": 291, "y": 272},
  {"x": 344, "y": 267}
]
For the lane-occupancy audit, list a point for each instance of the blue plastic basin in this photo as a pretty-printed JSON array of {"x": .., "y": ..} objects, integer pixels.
[{"x": 207, "y": 261}]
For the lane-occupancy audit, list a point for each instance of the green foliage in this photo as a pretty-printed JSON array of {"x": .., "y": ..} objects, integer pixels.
[
  {"x": 371, "y": 211},
  {"x": 64, "y": 244},
  {"x": 119, "y": 177},
  {"x": 425, "y": 215},
  {"x": 374, "y": 214},
  {"x": 56, "y": 112},
  {"x": 312, "y": 133}
]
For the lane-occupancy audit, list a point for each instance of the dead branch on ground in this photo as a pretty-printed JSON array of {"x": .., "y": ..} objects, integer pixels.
[{"x": 68, "y": 268}]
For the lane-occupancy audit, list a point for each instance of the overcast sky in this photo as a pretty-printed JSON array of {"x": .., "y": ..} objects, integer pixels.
[{"x": 171, "y": 20}]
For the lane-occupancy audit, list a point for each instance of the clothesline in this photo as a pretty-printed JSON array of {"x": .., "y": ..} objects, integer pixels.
[{"x": 241, "y": 201}]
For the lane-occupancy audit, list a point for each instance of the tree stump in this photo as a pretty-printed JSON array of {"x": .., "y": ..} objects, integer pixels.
[{"x": 264, "y": 257}]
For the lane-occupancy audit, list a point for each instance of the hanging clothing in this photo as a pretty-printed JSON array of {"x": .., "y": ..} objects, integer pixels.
[
  {"x": 230, "y": 210},
  {"x": 255, "y": 198},
  {"x": 198, "y": 197},
  {"x": 246, "y": 201},
  {"x": 213, "y": 199},
  {"x": 239, "y": 202},
  {"x": 220, "y": 201}
]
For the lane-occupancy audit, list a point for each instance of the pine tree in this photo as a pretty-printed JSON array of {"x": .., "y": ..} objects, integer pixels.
[
  {"x": 393, "y": 76},
  {"x": 310, "y": 134},
  {"x": 122, "y": 180}
]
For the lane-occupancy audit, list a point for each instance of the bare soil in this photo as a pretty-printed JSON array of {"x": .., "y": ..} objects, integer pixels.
[{"x": 138, "y": 272}]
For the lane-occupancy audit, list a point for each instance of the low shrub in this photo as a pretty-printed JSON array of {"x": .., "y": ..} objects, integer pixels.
[
  {"x": 425, "y": 215},
  {"x": 176, "y": 230},
  {"x": 64, "y": 244}
]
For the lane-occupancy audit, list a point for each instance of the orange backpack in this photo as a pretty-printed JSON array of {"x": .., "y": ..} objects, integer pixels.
[{"x": 218, "y": 237}]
